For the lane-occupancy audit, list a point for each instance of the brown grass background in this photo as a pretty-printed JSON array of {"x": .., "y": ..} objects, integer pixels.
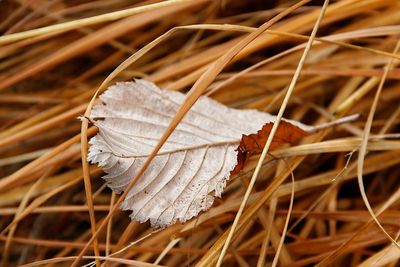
[{"x": 48, "y": 76}]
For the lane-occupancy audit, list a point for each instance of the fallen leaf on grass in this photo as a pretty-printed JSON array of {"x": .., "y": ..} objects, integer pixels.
[{"x": 194, "y": 164}]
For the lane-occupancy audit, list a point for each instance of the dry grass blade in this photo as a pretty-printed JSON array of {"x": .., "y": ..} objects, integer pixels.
[
  {"x": 363, "y": 148},
  {"x": 282, "y": 240},
  {"x": 116, "y": 260},
  {"x": 76, "y": 24},
  {"x": 272, "y": 133}
]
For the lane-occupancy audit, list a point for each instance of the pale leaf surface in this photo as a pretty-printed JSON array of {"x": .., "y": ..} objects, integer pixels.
[{"x": 191, "y": 168}]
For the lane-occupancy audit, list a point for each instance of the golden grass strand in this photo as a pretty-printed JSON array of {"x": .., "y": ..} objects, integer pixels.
[
  {"x": 109, "y": 226},
  {"x": 282, "y": 239},
  {"x": 272, "y": 133},
  {"x": 88, "y": 188},
  {"x": 76, "y": 24},
  {"x": 271, "y": 213},
  {"x": 363, "y": 148},
  {"x": 96, "y": 258}
]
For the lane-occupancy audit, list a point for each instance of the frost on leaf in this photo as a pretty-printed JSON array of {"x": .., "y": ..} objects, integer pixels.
[{"x": 194, "y": 164}]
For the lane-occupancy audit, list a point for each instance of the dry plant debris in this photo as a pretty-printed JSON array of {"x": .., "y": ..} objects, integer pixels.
[
  {"x": 195, "y": 162},
  {"x": 55, "y": 54}
]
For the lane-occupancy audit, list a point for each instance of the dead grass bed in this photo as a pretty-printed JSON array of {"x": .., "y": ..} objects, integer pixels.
[{"x": 55, "y": 56}]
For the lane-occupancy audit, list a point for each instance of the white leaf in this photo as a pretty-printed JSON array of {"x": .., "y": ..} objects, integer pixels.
[{"x": 193, "y": 165}]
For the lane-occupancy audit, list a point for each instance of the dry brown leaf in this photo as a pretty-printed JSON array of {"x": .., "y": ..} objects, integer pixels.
[
  {"x": 194, "y": 164},
  {"x": 254, "y": 143}
]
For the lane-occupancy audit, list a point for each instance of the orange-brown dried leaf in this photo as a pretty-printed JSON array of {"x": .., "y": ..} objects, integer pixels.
[{"x": 254, "y": 143}]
